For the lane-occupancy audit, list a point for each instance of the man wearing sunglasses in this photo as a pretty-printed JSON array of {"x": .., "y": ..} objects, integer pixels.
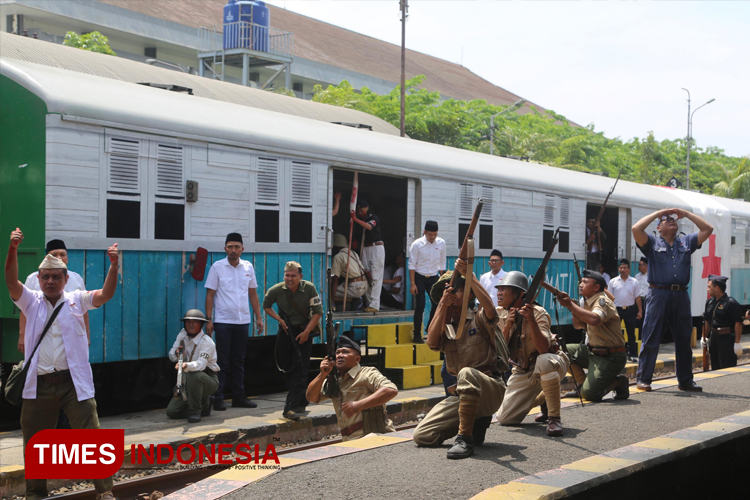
[{"x": 669, "y": 258}]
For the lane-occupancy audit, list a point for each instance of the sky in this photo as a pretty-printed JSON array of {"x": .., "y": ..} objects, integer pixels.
[{"x": 619, "y": 65}]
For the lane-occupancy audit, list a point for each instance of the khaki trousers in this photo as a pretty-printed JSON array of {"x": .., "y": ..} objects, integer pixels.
[
  {"x": 441, "y": 422},
  {"x": 41, "y": 413},
  {"x": 524, "y": 387},
  {"x": 199, "y": 387}
]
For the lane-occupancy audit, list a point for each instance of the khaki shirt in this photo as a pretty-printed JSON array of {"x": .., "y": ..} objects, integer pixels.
[
  {"x": 338, "y": 264},
  {"x": 477, "y": 347},
  {"x": 608, "y": 333},
  {"x": 526, "y": 344},
  {"x": 306, "y": 299},
  {"x": 357, "y": 384}
]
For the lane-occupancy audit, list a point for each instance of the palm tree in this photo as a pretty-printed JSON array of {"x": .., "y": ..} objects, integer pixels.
[{"x": 736, "y": 183}]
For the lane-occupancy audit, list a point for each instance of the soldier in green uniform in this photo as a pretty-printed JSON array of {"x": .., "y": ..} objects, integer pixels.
[
  {"x": 477, "y": 358},
  {"x": 604, "y": 355},
  {"x": 300, "y": 310},
  {"x": 723, "y": 317}
]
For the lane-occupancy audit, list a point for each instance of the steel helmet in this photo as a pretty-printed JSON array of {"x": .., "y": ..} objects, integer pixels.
[
  {"x": 516, "y": 279},
  {"x": 195, "y": 314},
  {"x": 339, "y": 240}
]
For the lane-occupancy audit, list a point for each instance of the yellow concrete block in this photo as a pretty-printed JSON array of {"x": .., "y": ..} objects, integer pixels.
[
  {"x": 600, "y": 464},
  {"x": 435, "y": 367},
  {"x": 381, "y": 334},
  {"x": 405, "y": 332},
  {"x": 719, "y": 427},
  {"x": 666, "y": 443},
  {"x": 424, "y": 354},
  {"x": 517, "y": 491},
  {"x": 415, "y": 376},
  {"x": 398, "y": 355}
]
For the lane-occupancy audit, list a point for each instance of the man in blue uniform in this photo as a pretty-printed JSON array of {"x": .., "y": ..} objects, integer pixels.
[{"x": 668, "y": 300}]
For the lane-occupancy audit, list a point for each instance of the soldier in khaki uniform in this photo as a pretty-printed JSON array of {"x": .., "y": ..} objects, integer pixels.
[
  {"x": 360, "y": 408},
  {"x": 538, "y": 364},
  {"x": 604, "y": 356},
  {"x": 300, "y": 310},
  {"x": 478, "y": 358}
]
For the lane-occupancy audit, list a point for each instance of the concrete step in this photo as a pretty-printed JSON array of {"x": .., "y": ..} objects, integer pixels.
[
  {"x": 435, "y": 367},
  {"x": 409, "y": 376},
  {"x": 381, "y": 335},
  {"x": 405, "y": 332},
  {"x": 398, "y": 355}
]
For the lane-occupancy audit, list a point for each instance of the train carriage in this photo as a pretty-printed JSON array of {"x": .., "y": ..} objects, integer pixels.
[{"x": 95, "y": 160}]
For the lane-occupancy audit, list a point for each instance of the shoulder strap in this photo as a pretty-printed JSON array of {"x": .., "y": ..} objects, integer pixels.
[{"x": 46, "y": 327}]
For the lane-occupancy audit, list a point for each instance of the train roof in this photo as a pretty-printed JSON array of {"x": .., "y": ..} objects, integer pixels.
[
  {"x": 124, "y": 105},
  {"x": 117, "y": 68}
]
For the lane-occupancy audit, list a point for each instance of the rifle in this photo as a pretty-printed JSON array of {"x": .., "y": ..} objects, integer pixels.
[
  {"x": 578, "y": 272},
  {"x": 706, "y": 363},
  {"x": 560, "y": 334},
  {"x": 179, "y": 389},
  {"x": 529, "y": 296},
  {"x": 330, "y": 339},
  {"x": 352, "y": 207},
  {"x": 601, "y": 213},
  {"x": 466, "y": 253}
]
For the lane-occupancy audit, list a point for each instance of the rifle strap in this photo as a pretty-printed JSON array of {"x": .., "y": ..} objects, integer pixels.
[{"x": 469, "y": 278}]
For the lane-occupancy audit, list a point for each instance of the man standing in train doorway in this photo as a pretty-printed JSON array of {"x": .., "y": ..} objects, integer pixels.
[
  {"x": 373, "y": 251},
  {"x": 230, "y": 283},
  {"x": 668, "y": 300},
  {"x": 595, "y": 238},
  {"x": 427, "y": 262}
]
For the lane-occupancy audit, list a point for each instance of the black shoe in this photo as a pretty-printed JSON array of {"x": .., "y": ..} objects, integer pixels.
[
  {"x": 572, "y": 394},
  {"x": 243, "y": 403},
  {"x": 299, "y": 409},
  {"x": 480, "y": 429},
  {"x": 418, "y": 339},
  {"x": 194, "y": 418},
  {"x": 623, "y": 391},
  {"x": 463, "y": 447},
  {"x": 290, "y": 415},
  {"x": 691, "y": 387},
  {"x": 554, "y": 428},
  {"x": 206, "y": 411},
  {"x": 219, "y": 405}
]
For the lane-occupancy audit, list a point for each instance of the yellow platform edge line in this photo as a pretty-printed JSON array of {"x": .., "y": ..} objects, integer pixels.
[
  {"x": 600, "y": 464},
  {"x": 370, "y": 442},
  {"x": 517, "y": 491},
  {"x": 666, "y": 443}
]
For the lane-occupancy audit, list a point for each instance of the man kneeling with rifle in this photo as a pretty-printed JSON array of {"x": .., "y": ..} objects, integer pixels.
[
  {"x": 604, "y": 356},
  {"x": 538, "y": 362},
  {"x": 476, "y": 354},
  {"x": 197, "y": 367},
  {"x": 363, "y": 392}
]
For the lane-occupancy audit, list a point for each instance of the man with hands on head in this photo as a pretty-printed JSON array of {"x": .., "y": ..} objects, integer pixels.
[
  {"x": 477, "y": 358},
  {"x": 669, "y": 257},
  {"x": 230, "y": 283},
  {"x": 360, "y": 406},
  {"x": 59, "y": 373},
  {"x": 604, "y": 356}
]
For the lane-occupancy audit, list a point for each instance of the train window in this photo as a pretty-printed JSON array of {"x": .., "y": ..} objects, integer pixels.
[
  {"x": 123, "y": 219},
  {"x": 169, "y": 221},
  {"x": 747, "y": 246},
  {"x": 556, "y": 215},
  {"x": 485, "y": 236},
  {"x": 300, "y": 227},
  {"x": 266, "y": 226}
]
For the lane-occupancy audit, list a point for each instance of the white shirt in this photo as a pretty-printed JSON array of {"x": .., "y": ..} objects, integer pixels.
[
  {"x": 202, "y": 349},
  {"x": 489, "y": 281},
  {"x": 625, "y": 292},
  {"x": 401, "y": 295},
  {"x": 643, "y": 280},
  {"x": 231, "y": 302},
  {"x": 75, "y": 282},
  {"x": 427, "y": 258},
  {"x": 72, "y": 342},
  {"x": 606, "y": 277}
]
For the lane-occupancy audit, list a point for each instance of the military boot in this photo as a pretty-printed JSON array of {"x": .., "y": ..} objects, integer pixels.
[
  {"x": 463, "y": 447},
  {"x": 542, "y": 417},
  {"x": 481, "y": 425}
]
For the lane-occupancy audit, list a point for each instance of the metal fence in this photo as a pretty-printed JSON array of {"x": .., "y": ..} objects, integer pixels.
[{"x": 244, "y": 35}]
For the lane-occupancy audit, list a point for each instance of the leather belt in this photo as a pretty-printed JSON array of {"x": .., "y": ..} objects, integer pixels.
[
  {"x": 209, "y": 371},
  {"x": 55, "y": 377},
  {"x": 374, "y": 244},
  {"x": 724, "y": 330},
  {"x": 624, "y": 307},
  {"x": 605, "y": 351},
  {"x": 358, "y": 279},
  {"x": 352, "y": 428},
  {"x": 674, "y": 288}
]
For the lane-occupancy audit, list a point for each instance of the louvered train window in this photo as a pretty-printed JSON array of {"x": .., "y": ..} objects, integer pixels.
[
  {"x": 267, "y": 201},
  {"x": 123, "y": 188},
  {"x": 555, "y": 217},
  {"x": 468, "y": 195},
  {"x": 300, "y": 212},
  {"x": 169, "y": 206}
]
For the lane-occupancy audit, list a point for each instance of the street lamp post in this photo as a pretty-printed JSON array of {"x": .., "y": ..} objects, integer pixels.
[
  {"x": 690, "y": 136},
  {"x": 492, "y": 123}
]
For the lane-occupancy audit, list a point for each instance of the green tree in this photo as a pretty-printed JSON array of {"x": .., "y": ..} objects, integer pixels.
[
  {"x": 736, "y": 181},
  {"x": 94, "y": 41}
]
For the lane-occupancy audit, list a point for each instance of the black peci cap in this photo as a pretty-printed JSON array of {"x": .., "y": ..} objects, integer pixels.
[
  {"x": 431, "y": 225},
  {"x": 234, "y": 237},
  {"x": 55, "y": 245},
  {"x": 588, "y": 273}
]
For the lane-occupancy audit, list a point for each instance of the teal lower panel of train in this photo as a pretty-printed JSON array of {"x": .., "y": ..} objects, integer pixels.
[{"x": 156, "y": 288}]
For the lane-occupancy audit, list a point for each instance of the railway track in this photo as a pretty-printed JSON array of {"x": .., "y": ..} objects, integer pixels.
[{"x": 169, "y": 482}]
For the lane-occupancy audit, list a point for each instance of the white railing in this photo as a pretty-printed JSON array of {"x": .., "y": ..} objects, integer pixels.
[{"x": 244, "y": 35}]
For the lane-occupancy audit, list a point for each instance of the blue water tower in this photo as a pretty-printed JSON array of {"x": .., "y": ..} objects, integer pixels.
[
  {"x": 261, "y": 17},
  {"x": 246, "y": 25}
]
